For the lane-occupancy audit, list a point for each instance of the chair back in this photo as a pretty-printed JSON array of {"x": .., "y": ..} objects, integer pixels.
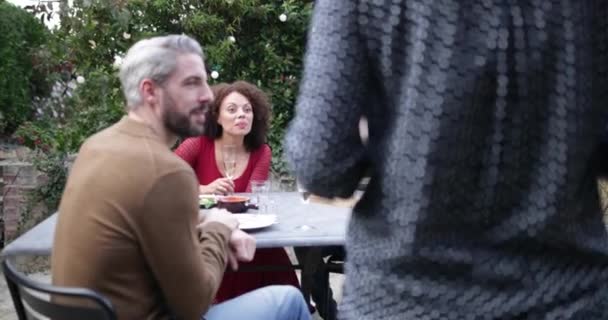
[{"x": 33, "y": 299}]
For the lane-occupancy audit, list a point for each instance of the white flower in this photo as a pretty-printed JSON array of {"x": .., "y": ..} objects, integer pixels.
[
  {"x": 232, "y": 39},
  {"x": 283, "y": 17},
  {"x": 93, "y": 44},
  {"x": 80, "y": 79},
  {"x": 117, "y": 62},
  {"x": 214, "y": 74},
  {"x": 126, "y": 35}
]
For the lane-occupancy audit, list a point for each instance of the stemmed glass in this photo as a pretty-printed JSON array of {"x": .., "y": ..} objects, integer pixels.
[
  {"x": 229, "y": 158},
  {"x": 305, "y": 198},
  {"x": 303, "y": 192}
]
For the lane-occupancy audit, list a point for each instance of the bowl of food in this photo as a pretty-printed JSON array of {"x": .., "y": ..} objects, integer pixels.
[{"x": 233, "y": 203}]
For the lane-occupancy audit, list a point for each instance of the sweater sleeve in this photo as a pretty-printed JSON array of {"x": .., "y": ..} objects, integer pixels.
[
  {"x": 189, "y": 150},
  {"x": 323, "y": 146},
  {"x": 262, "y": 166},
  {"x": 188, "y": 267}
]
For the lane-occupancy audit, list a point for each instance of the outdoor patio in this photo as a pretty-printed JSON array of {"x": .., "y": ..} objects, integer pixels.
[{"x": 38, "y": 269}]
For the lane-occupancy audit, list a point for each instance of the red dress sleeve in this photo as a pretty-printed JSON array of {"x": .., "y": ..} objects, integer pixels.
[
  {"x": 261, "y": 168},
  {"x": 189, "y": 150}
]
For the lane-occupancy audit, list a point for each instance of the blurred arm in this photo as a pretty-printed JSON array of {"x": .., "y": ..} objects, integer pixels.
[
  {"x": 323, "y": 145},
  {"x": 188, "y": 265}
]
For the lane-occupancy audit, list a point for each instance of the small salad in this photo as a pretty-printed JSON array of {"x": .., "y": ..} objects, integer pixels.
[{"x": 206, "y": 201}]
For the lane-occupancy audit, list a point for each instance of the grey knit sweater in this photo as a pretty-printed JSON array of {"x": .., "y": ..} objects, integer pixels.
[{"x": 484, "y": 116}]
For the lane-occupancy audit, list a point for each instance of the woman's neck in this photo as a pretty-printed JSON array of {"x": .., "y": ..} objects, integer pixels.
[{"x": 226, "y": 139}]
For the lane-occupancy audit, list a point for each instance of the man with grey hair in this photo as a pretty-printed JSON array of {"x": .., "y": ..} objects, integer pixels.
[{"x": 129, "y": 226}]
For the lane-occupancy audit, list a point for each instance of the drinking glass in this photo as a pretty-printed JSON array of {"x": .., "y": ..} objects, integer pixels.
[
  {"x": 259, "y": 190},
  {"x": 305, "y": 194},
  {"x": 229, "y": 157}
]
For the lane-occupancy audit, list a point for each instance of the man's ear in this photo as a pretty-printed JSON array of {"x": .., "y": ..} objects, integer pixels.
[{"x": 149, "y": 91}]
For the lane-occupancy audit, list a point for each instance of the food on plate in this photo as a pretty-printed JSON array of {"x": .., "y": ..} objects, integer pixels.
[{"x": 206, "y": 201}]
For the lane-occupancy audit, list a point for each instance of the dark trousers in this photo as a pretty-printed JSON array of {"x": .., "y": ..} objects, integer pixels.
[{"x": 315, "y": 280}]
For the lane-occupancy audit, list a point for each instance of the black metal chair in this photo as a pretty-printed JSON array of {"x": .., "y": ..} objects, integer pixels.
[
  {"x": 33, "y": 299},
  {"x": 334, "y": 264}
]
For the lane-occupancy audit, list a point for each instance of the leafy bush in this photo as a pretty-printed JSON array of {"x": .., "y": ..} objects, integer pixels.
[
  {"x": 20, "y": 36},
  {"x": 261, "y": 41}
]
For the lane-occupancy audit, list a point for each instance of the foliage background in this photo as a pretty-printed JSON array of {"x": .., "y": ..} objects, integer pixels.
[
  {"x": 261, "y": 41},
  {"x": 20, "y": 35}
]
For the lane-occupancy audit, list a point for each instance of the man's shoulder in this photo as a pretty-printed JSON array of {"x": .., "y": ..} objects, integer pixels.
[
  {"x": 169, "y": 161},
  {"x": 138, "y": 153},
  {"x": 108, "y": 136},
  {"x": 101, "y": 135},
  {"x": 160, "y": 160}
]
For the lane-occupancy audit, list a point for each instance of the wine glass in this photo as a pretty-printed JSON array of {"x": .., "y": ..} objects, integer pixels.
[
  {"x": 305, "y": 198},
  {"x": 229, "y": 158},
  {"x": 303, "y": 192}
]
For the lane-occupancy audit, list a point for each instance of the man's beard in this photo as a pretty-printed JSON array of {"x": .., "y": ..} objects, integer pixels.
[{"x": 179, "y": 123}]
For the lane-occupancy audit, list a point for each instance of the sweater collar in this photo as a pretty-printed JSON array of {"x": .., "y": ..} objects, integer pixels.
[{"x": 137, "y": 128}]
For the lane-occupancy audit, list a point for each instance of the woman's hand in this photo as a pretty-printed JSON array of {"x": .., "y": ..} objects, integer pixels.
[{"x": 219, "y": 186}]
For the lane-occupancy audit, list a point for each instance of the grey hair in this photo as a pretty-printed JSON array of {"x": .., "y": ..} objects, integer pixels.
[{"x": 154, "y": 58}]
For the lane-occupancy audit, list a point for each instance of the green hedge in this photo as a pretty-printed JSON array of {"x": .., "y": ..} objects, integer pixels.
[
  {"x": 20, "y": 35},
  {"x": 261, "y": 41}
]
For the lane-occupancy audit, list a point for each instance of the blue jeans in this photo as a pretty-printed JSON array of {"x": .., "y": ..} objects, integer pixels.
[{"x": 267, "y": 303}]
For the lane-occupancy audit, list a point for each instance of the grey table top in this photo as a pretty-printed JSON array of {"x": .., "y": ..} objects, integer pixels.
[{"x": 327, "y": 227}]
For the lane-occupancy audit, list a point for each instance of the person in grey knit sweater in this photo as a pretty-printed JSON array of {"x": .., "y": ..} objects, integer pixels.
[{"x": 485, "y": 121}]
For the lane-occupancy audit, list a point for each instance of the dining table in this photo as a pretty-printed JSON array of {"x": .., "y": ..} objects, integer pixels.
[
  {"x": 299, "y": 223},
  {"x": 313, "y": 222}
]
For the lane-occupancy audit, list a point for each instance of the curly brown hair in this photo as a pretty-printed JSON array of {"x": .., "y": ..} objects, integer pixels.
[{"x": 261, "y": 112}]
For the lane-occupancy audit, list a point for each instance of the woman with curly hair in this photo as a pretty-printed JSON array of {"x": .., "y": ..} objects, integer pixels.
[{"x": 239, "y": 116}]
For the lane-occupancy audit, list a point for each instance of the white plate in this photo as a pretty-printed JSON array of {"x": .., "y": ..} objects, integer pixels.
[{"x": 251, "y": 221}]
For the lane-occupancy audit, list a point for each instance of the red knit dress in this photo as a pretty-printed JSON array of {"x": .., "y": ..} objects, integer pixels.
[{"x": 199, "y": 152}]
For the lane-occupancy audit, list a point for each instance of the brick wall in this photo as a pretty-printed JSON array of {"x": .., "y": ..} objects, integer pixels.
[{"x": 17, "y": 179}]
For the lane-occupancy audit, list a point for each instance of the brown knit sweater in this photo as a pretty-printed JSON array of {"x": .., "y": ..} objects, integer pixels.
[{"x": 127, "y": 228}]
